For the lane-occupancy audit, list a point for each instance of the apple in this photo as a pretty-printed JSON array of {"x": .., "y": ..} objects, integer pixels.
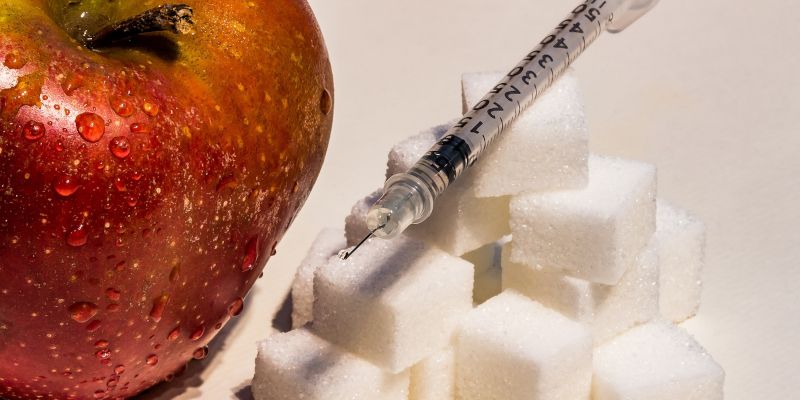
[{"x": 145, "y": 179}]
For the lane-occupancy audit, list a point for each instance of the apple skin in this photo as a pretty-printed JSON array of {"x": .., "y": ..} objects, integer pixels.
[{"x": 141, "y": 194}]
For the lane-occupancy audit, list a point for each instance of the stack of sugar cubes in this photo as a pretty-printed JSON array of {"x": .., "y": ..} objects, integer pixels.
[{"x": 545, "y": 272}]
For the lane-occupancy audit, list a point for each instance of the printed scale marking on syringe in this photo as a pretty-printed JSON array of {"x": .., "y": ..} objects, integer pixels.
[
  {"x": 408, "y": 198},
  {"x": 572, "y": 36}
]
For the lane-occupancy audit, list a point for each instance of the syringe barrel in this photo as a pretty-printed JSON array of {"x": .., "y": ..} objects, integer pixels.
[{"x": 463, "y": 144}]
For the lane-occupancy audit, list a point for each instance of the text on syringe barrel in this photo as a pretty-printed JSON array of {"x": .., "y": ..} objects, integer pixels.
[{"x": 462, "y": 145}]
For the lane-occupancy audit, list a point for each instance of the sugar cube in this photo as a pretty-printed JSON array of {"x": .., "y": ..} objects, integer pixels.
[
  {"x": 300, "y": 365},
  {"x": 593, "y": 233},
  {"x": 681, "y": 238},
  {"x": 394, "y": 302},
  {"x": 656, "y": 361},
  {"x": 434, "y": 377},
  {"x": 545, "y": 149},
  {"x": 609, "y": 310},
  {"x": 328, "y": 242},
  {"x": 460, "y": 221},
  {"x": 355, "y": 224},
  {"x": 513, "y": 348}
]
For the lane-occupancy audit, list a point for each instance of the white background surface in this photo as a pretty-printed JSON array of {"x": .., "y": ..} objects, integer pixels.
[{"x": 707, "y": 90}]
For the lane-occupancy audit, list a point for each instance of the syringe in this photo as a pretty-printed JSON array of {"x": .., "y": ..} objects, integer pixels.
[{"x": 408, "y": 198}]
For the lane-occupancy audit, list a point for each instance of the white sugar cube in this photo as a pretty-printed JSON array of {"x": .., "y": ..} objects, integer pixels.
[
  {"x": 546, "y": 148},
  {"x": 656, "y": 361},
  {"x": 328, "y": 242},
  {"x": 460, "y": 221},
  {"x": 681, "y": 238},
  {"x": 355, "y": 224},
  {"x": 609, "y": 310},
  {"x": 394, "y": 302},
  {"x": 512, "y": 348},
  {"x": 593, "y": 233},
  {"x": 488, "y": 284},
  {"x": 300, "y": 365},
  {"x": 434, "y": 377}
]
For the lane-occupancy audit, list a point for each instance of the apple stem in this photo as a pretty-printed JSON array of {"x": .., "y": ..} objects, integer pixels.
[{"x": 176, "y": 18}]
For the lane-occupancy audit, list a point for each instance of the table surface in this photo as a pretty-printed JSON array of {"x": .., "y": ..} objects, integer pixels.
[{"x": 707, "y": 90}]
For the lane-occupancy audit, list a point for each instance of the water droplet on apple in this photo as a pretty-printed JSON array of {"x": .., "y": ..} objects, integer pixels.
[
  {"x": 82, "y": 311},
  {"x": 77, "y": 237},
  {"x": 119, "y": 369},
  {"x": 140, "y": 127},
  {"x": 152, "y": 359},
  {"x": 90, "y": 126},
  {"x": 120, "y": 266},
  {"x": 101, "y": 344},
  {"x": 121, "y": 106},
  {"x": 103, "y": 354},
  {"x": 326, "y": 102},
  {"x": 250, "y": 254},
  {"x": 200, "y": 353},
  {"x": 158, "y": 307},
  {"x": 119, "y": 184},
  {"x": 112, "y": 382},
  {"x": 14, "y": 61},
  {"x": 236, "y": 306},
  {"x": 113, "y": 307},
  {"x": 93, "y": 326},
  {"x": 72, "y": 83},
  {"x": 33, "y": 130},
  {"x": 99, "y": 394},
  {"x": 113, "y": 294},
  {"x": 66, "y": 186},
  {"x": 120, "y": 147},
  {"x": 174, "y": 334},
  {"x": 198, "y": 332},
  {"x": 150, "y": 109},
  {"x": 218, "y": 326}
]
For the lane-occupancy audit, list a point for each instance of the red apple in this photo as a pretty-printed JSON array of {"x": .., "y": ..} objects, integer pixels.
[{"x": 145, "y": 183}]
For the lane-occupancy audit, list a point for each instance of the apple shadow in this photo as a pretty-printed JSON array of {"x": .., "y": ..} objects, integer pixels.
[
  {"x": 283, "y": 318},
  {"x": 243, "y": 391}
]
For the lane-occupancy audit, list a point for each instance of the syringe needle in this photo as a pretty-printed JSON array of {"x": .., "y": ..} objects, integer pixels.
[{"x": 344, "y": 254}]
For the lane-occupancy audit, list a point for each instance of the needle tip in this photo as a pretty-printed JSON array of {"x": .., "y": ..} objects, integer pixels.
[{"x": 344, "y": 254}]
